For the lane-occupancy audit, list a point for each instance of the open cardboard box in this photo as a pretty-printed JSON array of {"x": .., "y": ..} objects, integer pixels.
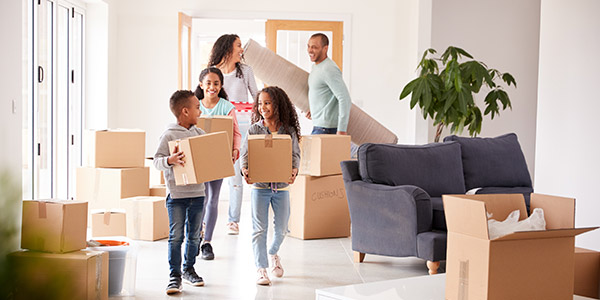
[{"x": 521, "y": 265}]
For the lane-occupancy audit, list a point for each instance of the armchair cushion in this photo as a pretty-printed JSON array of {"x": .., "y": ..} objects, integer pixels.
[
  {"x": 493, "y": 162},
  {"x": 436, "y": 168}
]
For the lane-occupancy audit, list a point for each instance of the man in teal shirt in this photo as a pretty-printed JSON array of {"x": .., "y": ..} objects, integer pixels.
[{"x": 328, "y": 96}]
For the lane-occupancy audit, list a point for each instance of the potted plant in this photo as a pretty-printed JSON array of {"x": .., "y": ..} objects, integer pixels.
[{"x": 446, "y": 95}]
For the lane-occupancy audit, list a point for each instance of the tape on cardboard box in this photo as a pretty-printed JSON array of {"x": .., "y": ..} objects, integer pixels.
[{"x": 42, "y": 210}]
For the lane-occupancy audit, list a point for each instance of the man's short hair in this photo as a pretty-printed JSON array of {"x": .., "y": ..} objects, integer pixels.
[
  {"x": 179, "y": 100},
  {"x": 324, "y": 38}
]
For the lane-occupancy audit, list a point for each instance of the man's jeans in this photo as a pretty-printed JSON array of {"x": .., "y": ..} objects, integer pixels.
[
  {"x": 184, "y": 213},
  {"x": 323, "y": 130}
]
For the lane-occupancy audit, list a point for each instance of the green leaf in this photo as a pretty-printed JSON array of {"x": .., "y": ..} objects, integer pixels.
[
  {"x": 408, "y": 89},
  {"x": 428, "y": 51},
  {"x": 449, "y": 101},
  {"x": 469, "y": 97},
  {"x": 509, "y": 79},
  {"x": 416, "y": 94},
  {"x": 464, "y": 53},
  {"x": 426, "y": 102},
  {"x": 457, "y": 82},
  {"x": 462, "y": 103},
  {"x": 503, "y": 96},
  {"x": 446, "y": 54}
]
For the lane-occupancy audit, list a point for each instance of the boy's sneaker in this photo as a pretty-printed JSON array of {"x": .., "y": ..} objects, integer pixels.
[
  {"x": 277, "y": 269},
  {"x": 190, "y": 277},
  {"x": 262, "y": 277},
  {"x": 233, "y": 228},
  {"x": 207, "y": 252},
  {"x": 174, "y": 285}
]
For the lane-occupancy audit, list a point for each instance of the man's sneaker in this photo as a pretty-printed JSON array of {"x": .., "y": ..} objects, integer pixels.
[
  {"x": 233, "y": 228},
  {"x": 262, "y": 277},
  {"x": 276, "y": 268},
  {"x": 190, "y": 277},
  {"x": 174, "y": 285},
  {"x": 207, "y": 252}
]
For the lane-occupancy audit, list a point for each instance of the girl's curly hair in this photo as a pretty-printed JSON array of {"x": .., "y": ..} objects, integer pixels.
[{"x": 283, "y": 109}]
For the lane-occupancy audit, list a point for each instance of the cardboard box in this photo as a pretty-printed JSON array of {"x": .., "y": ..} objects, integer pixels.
[
  {"x": 103, "y": 188},
  {"x": 587, "y": 273},
  {"x": 156, "y": 176},
  {"x": 318, "y": 208},
  {"x": 108, "y": 223},
  {"x": 322, "y": 154},
  {"x": 207, "y": 158},
  {"x": 158, "y": 190},
  {"x": 521, "y": 265},
  {"x": 114, "y": 148},
  {"x": 147, "y": 218},
  {"x": 74, "y": 275},
  {"x": 54, "y": 225},
  {"x": 269, "y": 157},
  {"x": 212, "y": 124}
]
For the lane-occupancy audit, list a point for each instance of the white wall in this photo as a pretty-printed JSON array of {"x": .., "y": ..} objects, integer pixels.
[
  {"x": 567, "y": 160},
  {"x": 143, "y": 69},
  {"x": 96, "y": 67},
  {"x": 505, "y": 36},
  {"x": 13, "y": 62}
]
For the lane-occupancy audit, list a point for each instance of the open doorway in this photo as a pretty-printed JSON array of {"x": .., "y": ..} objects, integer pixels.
[{"x": 287, "y": 38}]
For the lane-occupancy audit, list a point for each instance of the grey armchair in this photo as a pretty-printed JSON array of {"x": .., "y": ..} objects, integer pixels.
[{"x": 394, "y": 191}]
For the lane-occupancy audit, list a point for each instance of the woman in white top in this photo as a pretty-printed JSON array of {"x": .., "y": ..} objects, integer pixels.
[{"x": 227, "y": 55}]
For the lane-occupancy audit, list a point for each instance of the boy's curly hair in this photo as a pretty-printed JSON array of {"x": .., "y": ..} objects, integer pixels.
[{"x": 283, "y": 109}]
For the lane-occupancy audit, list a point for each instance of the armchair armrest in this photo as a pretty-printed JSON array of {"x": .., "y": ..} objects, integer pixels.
[
  {"x": 386, "y": 219},
  {"x": 350, "y": 170}
]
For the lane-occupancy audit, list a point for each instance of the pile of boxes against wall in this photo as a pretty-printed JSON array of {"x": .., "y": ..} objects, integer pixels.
[
  {"x": 318, "y": 205},
  {"x": 522, "y": 265},
  {"x": 115, "y": 179},
  {"x": 55, "y": 264}
]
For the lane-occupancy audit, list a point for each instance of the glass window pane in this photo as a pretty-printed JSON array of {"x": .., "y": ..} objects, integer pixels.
[
  {"x": 61, "y": 104},
  {"x": 75, "y": 105},
  {"x": 43, "y": 122},
  {"x": 291, "y": 45},
  {"x": 185, "y": 83}
]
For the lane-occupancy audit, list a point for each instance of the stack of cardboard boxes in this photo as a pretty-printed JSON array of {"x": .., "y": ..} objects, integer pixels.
[
  {"x": 116, "y": 184},
  {"x": 55, "y": 266},
  {"x": 319, "y": 208}
]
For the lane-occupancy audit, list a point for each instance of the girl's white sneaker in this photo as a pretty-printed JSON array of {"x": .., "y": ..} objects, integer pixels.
[
  {"x": 276, "y": 268},
  {"x": 262, "y": 277}
]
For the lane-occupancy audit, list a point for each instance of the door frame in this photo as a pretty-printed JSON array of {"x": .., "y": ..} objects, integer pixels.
[
  {"x": 336, "y": 27},
  {"x": 244, "y": 15}
]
